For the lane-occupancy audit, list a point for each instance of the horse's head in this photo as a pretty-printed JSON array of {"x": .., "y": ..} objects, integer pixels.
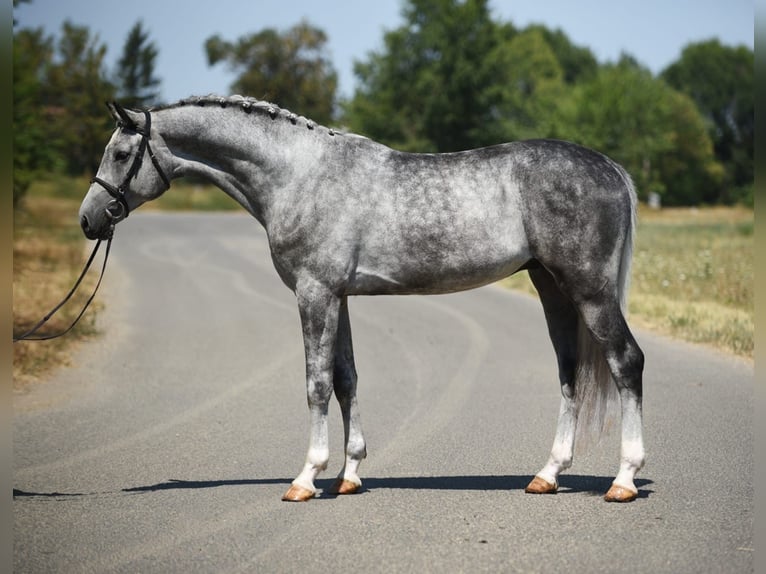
[{"x": 124, "y": 179}]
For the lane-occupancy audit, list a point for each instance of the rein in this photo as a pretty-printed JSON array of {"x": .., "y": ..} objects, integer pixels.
[
  {"x": 28, "y": 336},
  {"x": 116, "y": 210}
]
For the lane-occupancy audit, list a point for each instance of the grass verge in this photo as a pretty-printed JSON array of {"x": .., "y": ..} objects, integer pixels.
[{"x": 48, "y": 255}]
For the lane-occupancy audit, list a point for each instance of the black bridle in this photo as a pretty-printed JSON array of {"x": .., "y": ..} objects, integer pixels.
[
  {"x": 118, "y": 192},
  {"x": 116, "y": 211}
]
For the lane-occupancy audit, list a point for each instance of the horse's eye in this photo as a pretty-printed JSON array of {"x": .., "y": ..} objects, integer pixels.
[{"x": 121, "y": 156}]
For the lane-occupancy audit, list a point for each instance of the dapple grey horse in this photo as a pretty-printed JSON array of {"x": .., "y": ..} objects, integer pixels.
[{"x": 347, "y": 216}]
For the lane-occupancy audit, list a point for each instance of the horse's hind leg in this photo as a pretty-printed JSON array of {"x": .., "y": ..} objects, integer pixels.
[
  {"x": 562, "y": 319},
  {"x": 344, "y": 382},
  {"x": 604, "y": 319}
]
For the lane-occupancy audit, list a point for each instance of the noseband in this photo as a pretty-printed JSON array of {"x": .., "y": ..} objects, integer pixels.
[{"x": 118, "y": 209}]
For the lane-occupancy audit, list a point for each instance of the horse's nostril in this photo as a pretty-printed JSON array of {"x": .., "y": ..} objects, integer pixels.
[{"x": 84, "y": 223}]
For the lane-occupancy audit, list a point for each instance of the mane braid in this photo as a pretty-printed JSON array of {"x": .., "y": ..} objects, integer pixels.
[{"x": 247, "y": 105}]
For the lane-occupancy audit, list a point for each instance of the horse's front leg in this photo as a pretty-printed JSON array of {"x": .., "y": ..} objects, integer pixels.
[
  {"x": 319, "y": 318},
  {"x": 344, "y": 383}
]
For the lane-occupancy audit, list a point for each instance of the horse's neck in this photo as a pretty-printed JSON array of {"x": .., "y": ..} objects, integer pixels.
[{"x": 249, "y": 158}]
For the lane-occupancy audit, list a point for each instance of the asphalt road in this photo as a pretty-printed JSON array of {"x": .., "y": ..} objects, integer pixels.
[{"x": 167, "y": 444}]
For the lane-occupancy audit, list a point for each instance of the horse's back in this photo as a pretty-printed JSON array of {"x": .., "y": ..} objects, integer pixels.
[{"x": 395, "y": 223}]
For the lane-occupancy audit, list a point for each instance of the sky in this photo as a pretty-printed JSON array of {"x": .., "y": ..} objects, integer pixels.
[{"x": 653, "y": 31}]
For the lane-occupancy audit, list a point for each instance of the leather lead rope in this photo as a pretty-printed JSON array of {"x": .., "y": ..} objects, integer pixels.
[{"x": 29, "y": 335}]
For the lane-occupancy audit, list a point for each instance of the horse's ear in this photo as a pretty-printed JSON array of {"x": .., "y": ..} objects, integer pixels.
[
  {"x": 122, "y": 116},
  {"x": 112, "y": 107}
]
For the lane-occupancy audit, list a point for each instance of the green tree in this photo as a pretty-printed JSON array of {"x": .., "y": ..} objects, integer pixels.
[
  {"x": 137, "y": 85},
  {"x": 34, "y": 147},
  {"x": 291, "y": 69},
  {"x": 578, "y": 64},
  {"x": 74, "y": 97},
  {"x": 530, "y": 82},
  {"x": 720, "y": 79},
  {"x": 428, "y": 89},
  {"x": 654, "y": 131}
]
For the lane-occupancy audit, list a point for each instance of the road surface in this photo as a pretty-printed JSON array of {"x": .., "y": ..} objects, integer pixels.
[{"x": 167, "y": 444}]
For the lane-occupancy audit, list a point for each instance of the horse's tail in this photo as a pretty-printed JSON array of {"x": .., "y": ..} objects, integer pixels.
[{"x": 596, "y": 396}]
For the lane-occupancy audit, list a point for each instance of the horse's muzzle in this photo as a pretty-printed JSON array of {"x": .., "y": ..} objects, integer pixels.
[
  {"x": 86, "y": 228},
  {"x": 103, "y": 230}
]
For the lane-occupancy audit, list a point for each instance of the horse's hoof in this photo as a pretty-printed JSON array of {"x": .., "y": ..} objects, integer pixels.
[
  {"x": 620, "y": 494},
  {"x": 297, "y": 493},
  {"x": 540, "y": 486},
  {"x": 343, "y": 486}
]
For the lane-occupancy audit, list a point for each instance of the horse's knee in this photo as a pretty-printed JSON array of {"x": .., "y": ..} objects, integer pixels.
[{"x": 318, "y": 391}]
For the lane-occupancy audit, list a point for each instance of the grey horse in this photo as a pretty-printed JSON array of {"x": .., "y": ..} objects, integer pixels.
[{"x": 346, "y": 215}]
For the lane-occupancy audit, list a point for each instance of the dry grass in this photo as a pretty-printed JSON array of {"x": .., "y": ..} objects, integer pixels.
[
  {"x": 693, "y": 276},
  {"x": 47, "y": 258}
]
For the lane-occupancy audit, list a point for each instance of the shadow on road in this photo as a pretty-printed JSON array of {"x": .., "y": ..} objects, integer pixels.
[
  {"x": 174, "y": 484},
  {"x": 568, "y": 484},
  {"x": 596, "y": 485}
]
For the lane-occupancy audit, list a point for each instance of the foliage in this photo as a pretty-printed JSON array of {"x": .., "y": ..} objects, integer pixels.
[
  {"x": 530, "y": 86},
  {"x": 426, "y": 91},
  {"x": 59, "y": 89},
  {"x": 74, "y": 100},
  {"x": 656, "y": 132},
  {"x": 33, "y": 150},
  {"x": 291, "y": 69},
  {"x": 137, "y": 85},
  {"x": 58, "y": 92},
  {"x": 720, "y": 79},
  {"x": 577, "y": 63}
]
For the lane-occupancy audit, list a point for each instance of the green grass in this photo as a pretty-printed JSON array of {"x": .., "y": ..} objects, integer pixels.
[{"x": 693, "y": 276}]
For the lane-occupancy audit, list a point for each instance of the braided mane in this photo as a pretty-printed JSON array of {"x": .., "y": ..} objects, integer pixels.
[{"x": 248, "y": 105}]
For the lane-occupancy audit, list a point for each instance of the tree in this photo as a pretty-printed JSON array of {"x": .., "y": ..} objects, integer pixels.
[
  {"x": 74, "y": 96},
  {"x": 34, "y": 146},
  {"x": 530, "y": 82},
  {"x": 654, "y": 131},
  {"x": 578, "y": 64},
  {"x": 291, "y": 69},
  {"x": 137, "y": 85},
  {"x": 720, "y": 79},
  {"x": 452, "y": 78},
  {"x": 428, "y": 90}
]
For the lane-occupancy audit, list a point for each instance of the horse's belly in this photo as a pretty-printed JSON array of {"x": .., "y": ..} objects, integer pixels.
[
  {"x": 458, "y": 239},
  {"x": 434, "y": 274}
]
